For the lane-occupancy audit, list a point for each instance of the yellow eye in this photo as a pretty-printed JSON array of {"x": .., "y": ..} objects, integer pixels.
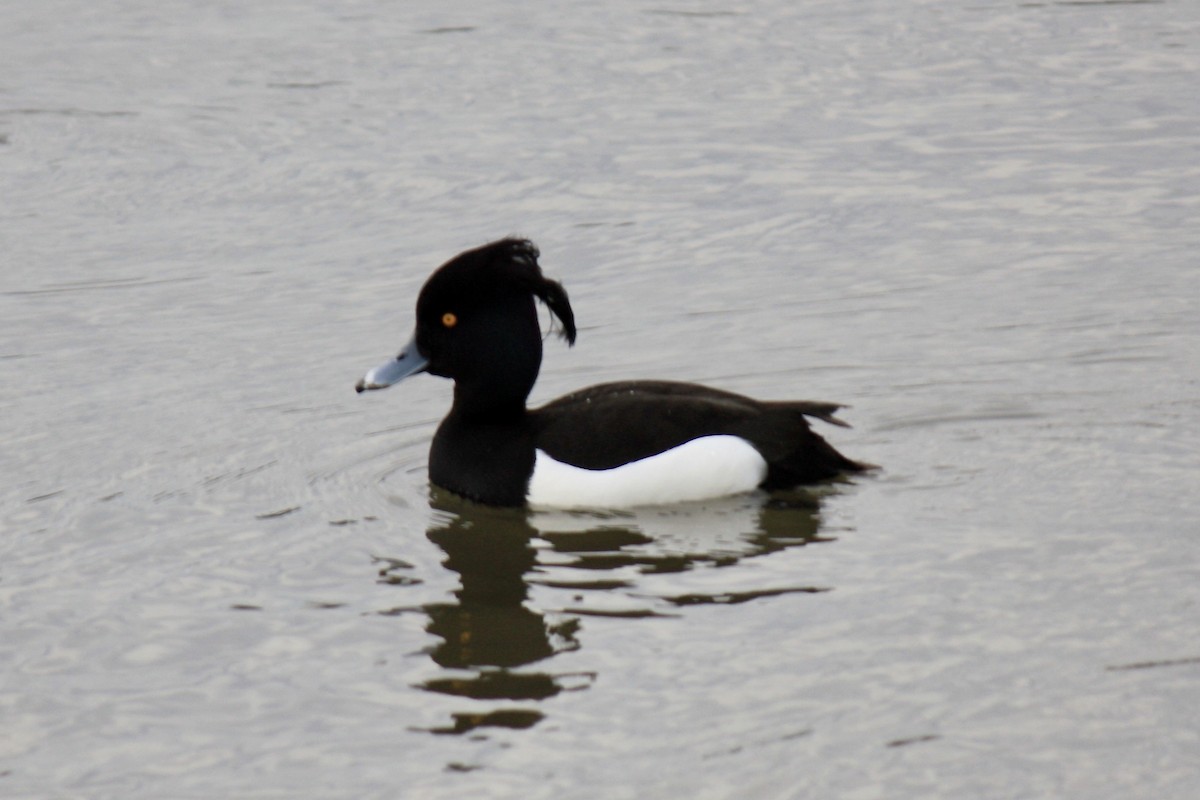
[{"x": 449, "y": 320}]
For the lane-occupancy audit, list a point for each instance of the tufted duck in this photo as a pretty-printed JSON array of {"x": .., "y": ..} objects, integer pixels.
[{"x": 613, "y": 445}]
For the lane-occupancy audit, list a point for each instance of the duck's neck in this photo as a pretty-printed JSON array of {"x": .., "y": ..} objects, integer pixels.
[
  {"x": 483, "y": 450},
  {"x": 489, "y": 402}
]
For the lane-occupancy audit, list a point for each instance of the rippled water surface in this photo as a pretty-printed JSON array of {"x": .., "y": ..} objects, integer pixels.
[{"x": 222, "y": 573}]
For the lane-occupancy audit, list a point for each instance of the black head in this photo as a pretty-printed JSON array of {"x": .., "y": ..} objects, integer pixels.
[{"x": 477, "y": 322}]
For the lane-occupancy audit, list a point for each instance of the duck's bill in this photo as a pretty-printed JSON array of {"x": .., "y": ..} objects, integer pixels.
[{"x": 409, "y": 362}]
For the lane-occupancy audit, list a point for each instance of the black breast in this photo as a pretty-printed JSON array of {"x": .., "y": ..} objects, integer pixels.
[{"x": 487, "y": 462}]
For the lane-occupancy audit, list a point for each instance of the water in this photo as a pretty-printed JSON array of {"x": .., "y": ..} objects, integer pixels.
[{"x": 222, "y": 573}]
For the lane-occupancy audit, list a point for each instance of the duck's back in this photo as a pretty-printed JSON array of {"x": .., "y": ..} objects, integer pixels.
[{"x": 614, "y": 424}]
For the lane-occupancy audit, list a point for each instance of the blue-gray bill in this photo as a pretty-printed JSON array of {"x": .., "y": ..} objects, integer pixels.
[{"x": 408, "y": 362}]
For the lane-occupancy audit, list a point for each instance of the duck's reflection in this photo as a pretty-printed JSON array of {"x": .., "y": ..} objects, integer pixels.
[
  {"x": 489, "y": 635},
  {"x": 490, "y": 629}
]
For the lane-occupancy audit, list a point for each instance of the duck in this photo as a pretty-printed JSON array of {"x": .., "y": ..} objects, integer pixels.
[{"x": 613, "y": 445}]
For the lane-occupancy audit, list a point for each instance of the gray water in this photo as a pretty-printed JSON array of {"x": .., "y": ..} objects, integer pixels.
[{"x": 222, "y": 573}]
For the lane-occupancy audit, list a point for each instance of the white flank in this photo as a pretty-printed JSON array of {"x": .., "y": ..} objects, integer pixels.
[{"x": 711, "y": 466}]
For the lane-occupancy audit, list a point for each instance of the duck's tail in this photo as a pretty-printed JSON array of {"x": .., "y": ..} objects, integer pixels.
[{"x": 811, "y": 459}]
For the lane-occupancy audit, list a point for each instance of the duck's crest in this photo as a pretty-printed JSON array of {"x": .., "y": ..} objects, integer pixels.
[{"x": 520, "y": 259}]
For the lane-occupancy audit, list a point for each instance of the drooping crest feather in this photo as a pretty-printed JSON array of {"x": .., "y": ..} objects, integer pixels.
[{"x": 521, "y": 256}]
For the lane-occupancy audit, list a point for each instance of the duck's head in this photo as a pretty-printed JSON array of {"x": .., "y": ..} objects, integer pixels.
[{"x": 477, "y": 324}]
